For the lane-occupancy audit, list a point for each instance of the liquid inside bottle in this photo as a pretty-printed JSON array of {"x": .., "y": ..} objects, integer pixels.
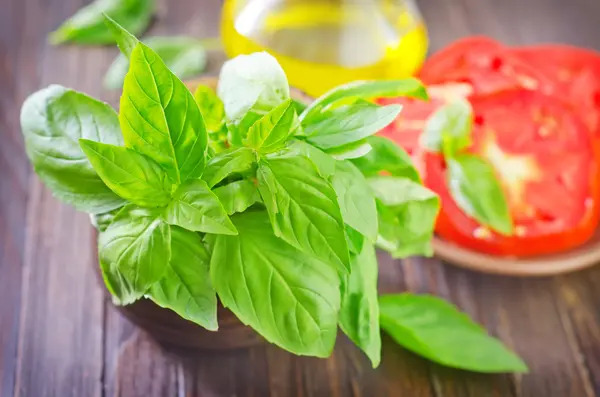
[{"x": 324, "y": 43}]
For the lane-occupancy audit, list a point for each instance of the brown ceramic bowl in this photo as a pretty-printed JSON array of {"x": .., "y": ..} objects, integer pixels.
[{"x": 548, "y": 265}]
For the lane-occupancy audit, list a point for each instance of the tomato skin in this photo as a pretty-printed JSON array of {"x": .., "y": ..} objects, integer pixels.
[
  {"x": 574, "y": 73},
  {"x": 553, "y": 212},
  {"x": 485, "y": 64}
]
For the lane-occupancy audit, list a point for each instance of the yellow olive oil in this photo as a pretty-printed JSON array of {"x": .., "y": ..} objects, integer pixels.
[{"x": 324, "y": 43}]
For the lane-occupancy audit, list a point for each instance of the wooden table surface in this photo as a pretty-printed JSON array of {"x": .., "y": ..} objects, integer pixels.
[{"x": 60, "y": 336}]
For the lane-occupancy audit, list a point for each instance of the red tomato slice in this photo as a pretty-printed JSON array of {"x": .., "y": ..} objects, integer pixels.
[
  {"x": 574, "y": 73},
  {"x": 544, "y": 160},
  {"x": 408, "y": 126},
  {"x": 485, "y": 64}
]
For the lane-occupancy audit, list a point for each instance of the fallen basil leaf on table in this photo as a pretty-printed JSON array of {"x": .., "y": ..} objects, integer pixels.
[
  {"x": 386, "y": 156},
  {"x": 290, "y": 298},
  {"x": 476, "y": 190},
  {"x": 184, "y": 56},
  {"x": 52, "y": 145},
  {"x": 407, "y": 212},
  {"x": 436, "y": 330},
  {"x": 87, "y": 26},
  {"x": 359, "y": 314},
  {"x": 185, "y": 287}
]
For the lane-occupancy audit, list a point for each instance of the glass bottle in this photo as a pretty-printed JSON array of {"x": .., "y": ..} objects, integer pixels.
[{"x": 324, "y": 43}]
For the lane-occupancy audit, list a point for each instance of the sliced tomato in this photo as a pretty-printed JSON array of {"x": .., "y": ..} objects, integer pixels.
[
  {"x": 544, "y": 160},
  {"x": 483, "y": 63},
  {"x": 574, "y": 73},
  {"x": 408, "y": 126}
]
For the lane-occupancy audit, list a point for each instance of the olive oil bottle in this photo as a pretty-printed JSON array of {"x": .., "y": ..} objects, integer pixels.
[{"x": 324, "y": 43}]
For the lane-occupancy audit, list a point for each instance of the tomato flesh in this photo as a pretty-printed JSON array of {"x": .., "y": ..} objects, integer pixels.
[{"x": 545, "y": 163}]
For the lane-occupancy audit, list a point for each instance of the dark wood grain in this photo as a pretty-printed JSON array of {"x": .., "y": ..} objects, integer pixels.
[{"x": 60, "y": 335}]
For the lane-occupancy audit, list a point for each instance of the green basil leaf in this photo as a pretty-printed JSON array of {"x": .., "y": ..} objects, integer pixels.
[
  {"x": 102, "y": 221},
  {"x": 195, "y": 207},
  {"x": 303, "y": 208},
  {"x": 185, "y": 287},
  {"x": 365, "y": 90},
  {"x": 162, "y": 120},
  {"x": 184, "y": 56},
  {"x": 52, "y": 121},
  {"x": 407, "y": 213},
  {"x": 290, "y": 298},
  {"x": 355, "y": 240},
  {"x": 436, "y": 330},
  {"x": 253, "y": 83},
  {"x": 131, "y": 175},
  {"x": 385, "y": 155},
  {"x": 324, "y": 162},
  {"x": 234, "y": 160},
  {"x": 348, "y": 124},
  {"x": 300, "y": 106},
  {"x": 359, "y": 314},
  {"x": 211, "y": 107},
  {"x": 270, "y": 132},
  {"x": 238, "y": 196},
  {"x": 134, "y": 252},
  {"x": 356, "y": 201},
  {"x": 448, "y": 130},
  {"x": 476, "y": 190},
  {"x": 125, "y": 40},
  {"x": 351, "y": 151},
  {"x": 87, "y": 25}
]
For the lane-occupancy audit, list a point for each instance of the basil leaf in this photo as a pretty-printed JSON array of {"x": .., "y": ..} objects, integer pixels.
[
  {"x": 449, "y": 126},
  {"x": 102, "y": 221},
  {"x": 351, "y": 151},
  {"x": 270, "y": 132},
  {"x": 290, "y": 298},
  {"x": 355, "y": 240},
  {"x": 476, "y": 190},
  {"x": 359, "y": 314},
  {"x": 185, "y": 287},
  {"x": 436, "y": 330},
  {"x": 131, "y": 175},
  {"x": 125, "y": 40},
  {"x": 324, "y": 162},
  {"x": 303, "y": 208},
  {"x": 231, "y": 161},
  {"x": 184, "y": 56},
  {"x": 195, "y": 207},
  {"x": 134, "y": 251},
  {"x": 238, "y": 196},
  {"x": 407, "y": 213},
  {"x": 385, "y": 155},
  {"x": 300, "y": 106},
  {"x": 52, "y": 121},
  {"x": 87, "y": 25},
  {"x": 349, "y": 124},
  {"x": 365, "y": 90},
  {"x": 211, "y": 107},
  {"x": 356, "y": 201},
  {"x": 162, "y": 120},
  {"x": 254, "y": 84}
]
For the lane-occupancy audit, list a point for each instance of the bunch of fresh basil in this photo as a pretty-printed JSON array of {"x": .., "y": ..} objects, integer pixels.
[{"x": 272, "y": 205}]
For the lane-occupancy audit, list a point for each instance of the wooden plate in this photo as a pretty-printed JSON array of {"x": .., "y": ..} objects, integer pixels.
[{"x": 548, "y": 265}]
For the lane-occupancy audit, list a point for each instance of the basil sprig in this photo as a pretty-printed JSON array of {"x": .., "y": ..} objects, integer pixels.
[{"x": 237, "y": 197}]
